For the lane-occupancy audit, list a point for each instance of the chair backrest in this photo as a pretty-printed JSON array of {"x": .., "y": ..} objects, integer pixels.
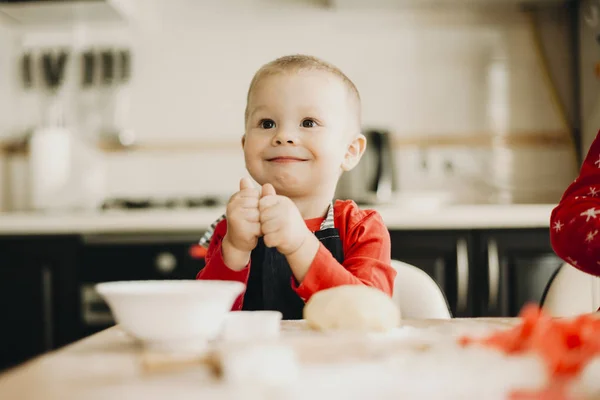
[
  {"x": 417, "y": 294},
  {"x": 571, "y": 292}
]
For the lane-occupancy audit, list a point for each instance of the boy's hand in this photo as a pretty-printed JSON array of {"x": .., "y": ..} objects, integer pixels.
[
  {"x": 243, "y": 226},
  {"x": 281, "y": 222}
]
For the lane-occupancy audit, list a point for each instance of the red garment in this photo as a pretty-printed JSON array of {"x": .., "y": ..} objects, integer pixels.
[
  {"x": 367, "y": 253},
  {"x": 575, "y": 222}
]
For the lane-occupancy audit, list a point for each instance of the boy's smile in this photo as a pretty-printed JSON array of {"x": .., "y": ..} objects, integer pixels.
[{"x": 286, "y": 160}]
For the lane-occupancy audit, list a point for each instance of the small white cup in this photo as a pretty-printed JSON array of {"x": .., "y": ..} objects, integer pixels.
[{"x": 251, "y": 325}]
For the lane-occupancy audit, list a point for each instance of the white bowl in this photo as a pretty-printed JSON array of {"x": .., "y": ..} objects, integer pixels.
[
  {"x": 171, "y": 314},
  {"x": 251, "y": 325}
]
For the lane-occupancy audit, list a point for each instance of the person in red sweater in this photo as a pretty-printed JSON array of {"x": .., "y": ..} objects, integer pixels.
[
  {"x": 286, "y": 239},
  {"x": 575, "y": 222}
]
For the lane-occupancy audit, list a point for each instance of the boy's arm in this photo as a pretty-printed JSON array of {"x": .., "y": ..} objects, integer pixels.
[
  {"x": 216, "y": 269},
  {"x": 366, "y": 261},
  {"x": 575, "y": 222}
]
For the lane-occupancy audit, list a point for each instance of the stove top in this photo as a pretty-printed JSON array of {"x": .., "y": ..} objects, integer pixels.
[{"x": 123, "y": 203}]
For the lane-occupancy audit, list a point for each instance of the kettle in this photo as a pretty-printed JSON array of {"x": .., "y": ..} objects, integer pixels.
[{"x": 373, "y": 180}]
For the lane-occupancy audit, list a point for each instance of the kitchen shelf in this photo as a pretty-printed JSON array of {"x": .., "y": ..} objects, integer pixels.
[{"x": 52, "y": 13}]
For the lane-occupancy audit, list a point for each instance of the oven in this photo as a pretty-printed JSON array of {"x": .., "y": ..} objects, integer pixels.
[{"x": 117, "y": 257}]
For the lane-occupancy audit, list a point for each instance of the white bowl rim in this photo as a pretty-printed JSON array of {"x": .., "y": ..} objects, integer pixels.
[{"x": 166, "y": 287}]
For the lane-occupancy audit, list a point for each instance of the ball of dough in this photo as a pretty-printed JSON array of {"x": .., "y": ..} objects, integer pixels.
[{"x": 352, "y": 308}]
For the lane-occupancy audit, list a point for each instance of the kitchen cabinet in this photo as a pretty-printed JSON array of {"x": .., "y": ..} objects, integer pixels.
[
  {"x": 482, "y": 272},
  {"x": 38, "y": 297},
  {"x": 47, "y": 295},
  {"x": 518, "y": 266},
  {"x": 446, "y": 257}
]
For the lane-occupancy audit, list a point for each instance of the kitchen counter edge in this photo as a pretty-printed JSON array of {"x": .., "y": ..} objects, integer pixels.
[{"x": 197, "y": 221}]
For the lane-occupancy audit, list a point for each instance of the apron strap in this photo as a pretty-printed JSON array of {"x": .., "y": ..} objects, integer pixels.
[
  {"x": 327, "y": 223},
  {"x": 205, "y": 239}
]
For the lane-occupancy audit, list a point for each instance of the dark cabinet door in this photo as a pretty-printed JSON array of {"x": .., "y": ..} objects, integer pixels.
[
  {"x": 446, "y": 257},
  {"x": 26, "y": 309},
  {"x": 516, "y": 267},
  {"x": 38, "y": 298},
  {"x": 137, "y": 257}
]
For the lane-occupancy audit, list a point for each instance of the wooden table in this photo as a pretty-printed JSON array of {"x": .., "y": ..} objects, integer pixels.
[{"x": 108, "y": 365}]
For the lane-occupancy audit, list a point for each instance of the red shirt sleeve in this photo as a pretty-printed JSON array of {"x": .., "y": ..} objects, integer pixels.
[
  {"x": 575, "y": 222},
  {"x": 367, "y": 253},
  {"x": 216, "y": 269}
]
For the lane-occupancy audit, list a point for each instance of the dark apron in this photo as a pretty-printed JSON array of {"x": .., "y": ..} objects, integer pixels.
[{"x": 269, "y": 284}]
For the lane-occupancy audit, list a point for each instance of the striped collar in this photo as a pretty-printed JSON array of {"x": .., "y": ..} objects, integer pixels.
[{"x": 327, "y": 223}]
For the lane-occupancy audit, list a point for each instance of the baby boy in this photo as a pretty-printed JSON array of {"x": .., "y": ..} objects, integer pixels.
[{"x": 287, "y": 239}]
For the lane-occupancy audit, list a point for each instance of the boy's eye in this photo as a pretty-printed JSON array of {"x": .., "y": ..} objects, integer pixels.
[
  {"x": 267, "y": 124},
  {"x": 308, "y": 123}
]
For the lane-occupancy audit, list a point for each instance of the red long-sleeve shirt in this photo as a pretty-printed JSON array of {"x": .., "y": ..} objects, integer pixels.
[
  {"x": 367, "y": 251},
  {"x": 575, "y": 222}
]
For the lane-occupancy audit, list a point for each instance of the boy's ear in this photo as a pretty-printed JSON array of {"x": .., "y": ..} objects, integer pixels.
[
  {"x": 354, "y": 153},
  {"x": 243, "y": 140}
]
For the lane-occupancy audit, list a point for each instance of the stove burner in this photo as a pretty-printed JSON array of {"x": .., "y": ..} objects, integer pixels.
[
  {"x": 170, "y": 203},
  {"x": 204, "y": 202}
]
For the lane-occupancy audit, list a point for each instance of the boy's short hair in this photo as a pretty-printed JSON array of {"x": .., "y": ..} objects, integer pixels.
[{"x": 300, "y": 62}]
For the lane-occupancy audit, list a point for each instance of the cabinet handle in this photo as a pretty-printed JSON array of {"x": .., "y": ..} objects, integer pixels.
[
  {"x": 47, "y": 307},
  {"x": 165, "y": 263},
  {"x": 462, "y": 274},
  {"x": 493, "y": 274}
]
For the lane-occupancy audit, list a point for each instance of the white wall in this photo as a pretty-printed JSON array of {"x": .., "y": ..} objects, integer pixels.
[
  {"x": 427, "y": 72},
  {"x": 590, "y": 81},
  {"x": 418, "y": 73}
]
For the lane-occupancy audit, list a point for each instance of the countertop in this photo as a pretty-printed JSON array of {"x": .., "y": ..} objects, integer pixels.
[
  {"x": 197, "y": 220},
  {"x": 416, "y": 361},
  {"x": 109, "y": 365}
]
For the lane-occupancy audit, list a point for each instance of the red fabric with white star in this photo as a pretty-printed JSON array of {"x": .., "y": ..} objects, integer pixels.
[{"x": 575, "y": 222}]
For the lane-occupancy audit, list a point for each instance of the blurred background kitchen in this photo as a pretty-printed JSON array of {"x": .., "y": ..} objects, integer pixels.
[{"x": 120, "y": 127}]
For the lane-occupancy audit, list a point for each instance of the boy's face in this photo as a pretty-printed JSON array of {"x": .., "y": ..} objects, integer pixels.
[{"x": 299, "y": 132}]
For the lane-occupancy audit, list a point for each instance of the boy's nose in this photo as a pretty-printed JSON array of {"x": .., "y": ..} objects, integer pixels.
[
  {"x": 283, "y": 137},
  {"x": 279, "y": 141}
]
